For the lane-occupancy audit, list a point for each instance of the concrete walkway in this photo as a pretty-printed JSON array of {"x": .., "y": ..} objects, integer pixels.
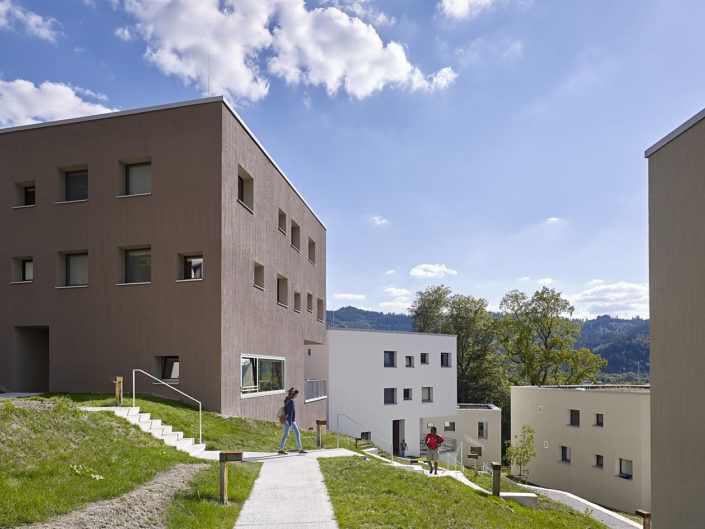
[{"x": 289, "y": 492}]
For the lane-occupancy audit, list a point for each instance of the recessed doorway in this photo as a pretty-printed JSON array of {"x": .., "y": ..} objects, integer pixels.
[{"x": 30, "y": 359}]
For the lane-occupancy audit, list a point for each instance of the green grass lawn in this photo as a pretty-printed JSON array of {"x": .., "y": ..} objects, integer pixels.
[
  {"x": 368, "y": 495},
  {"x": 199, "y": 506},
  {"x": 38, "y": 448},
  {"x": 219, "y": 433}
]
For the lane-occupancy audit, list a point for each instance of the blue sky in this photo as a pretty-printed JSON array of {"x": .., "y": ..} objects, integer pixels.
[{"x": 489, "y": 145}]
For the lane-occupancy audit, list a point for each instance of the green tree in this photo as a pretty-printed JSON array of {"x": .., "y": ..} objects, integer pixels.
[
  {"x": 523, "y": 451},
  {"x": 538, "y": 339},
  {"x": 428, "y": 309}
]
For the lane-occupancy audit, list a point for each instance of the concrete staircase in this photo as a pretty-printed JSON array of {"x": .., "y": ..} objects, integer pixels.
[{"x": 161, "y": 431}]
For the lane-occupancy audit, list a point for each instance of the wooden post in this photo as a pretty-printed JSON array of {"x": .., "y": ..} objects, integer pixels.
[
  {"x": 320, "y": 423},
  {"x": 225, "y": 456},
  {"x": 496, "y": 476},
  {"x": 118, "y": 390},
  {"x": 474, "y": 458},
  {"x": 645, "y": 518}
]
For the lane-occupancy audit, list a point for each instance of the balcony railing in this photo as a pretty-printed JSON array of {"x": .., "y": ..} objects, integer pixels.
[
  {"x": 315, "y": 389},
  {"x": 449, "y": 445}
]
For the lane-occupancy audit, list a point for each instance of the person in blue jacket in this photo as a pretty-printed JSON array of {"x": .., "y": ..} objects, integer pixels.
[{"x": 290, "y": 423}]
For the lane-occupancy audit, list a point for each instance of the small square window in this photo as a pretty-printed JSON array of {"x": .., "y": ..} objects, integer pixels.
[
  {"x": 449, "y": 426},
  {"x": 138, "y": 178},
  {"x": 75, "y": 185},
  {"x": 390, "y": 395},
  {"x": 426, "y": 394},
  {"x": 599, "y": 419},
  {"x": 407, "y": 393},
  {"x": 192, "y": 266},
  {"x": 297, "y": 301},
  {"x": 409, "y": 361},
  {"x": 245, "y": 189},
  {"x": 390, "y": 359},
  {"x": 311, "y": 250},
  {"x": 565, "y": 454},
  {"x": 309, "y": 302},
  {"x": 169, "y": 367},
  {"x": 29, "y": 196},
  {"x": 445, "y": 359},
  {"x": 599, "y": 461},
  {"x": 259, "y": 276},
  {"x": 482, "y": 430},
  {"x": 76, "y": 269},
  {"x": 295, "y": 236},
  {"x": 22, "y": 269},
  {"x": 138, "y": 265},
  {"x": 424, "y": 358},
  {"x": 320, "y": 310},
  {"x": 476, "y": 450},
  {"x": 626, "y": 469},
  {"x": 27, "y": 270},
  {"x": 25, "y": 194},
  {"x": 282, "y": 291},
  {"x": 282, "y": 222},
  {"x": 575, "y": 417}
]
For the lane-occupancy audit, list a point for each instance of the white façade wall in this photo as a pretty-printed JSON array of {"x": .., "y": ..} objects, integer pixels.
[{"x": 357, "y": 379}]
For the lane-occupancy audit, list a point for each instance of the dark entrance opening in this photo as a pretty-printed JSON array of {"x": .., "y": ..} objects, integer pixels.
[
  {"x": 30, "y": 359},
  {"x": 397, "y": 436}
]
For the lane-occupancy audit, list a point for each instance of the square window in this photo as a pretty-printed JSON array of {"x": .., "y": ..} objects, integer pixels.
[
  {"x": 409, "y": 361},
  {"x": 320, "y": 310},
  {"x": 297, "y": 301},
  {"x": 424, "y": 358},
  {"x": 445, "y": 359},
  {"x": 259, "y": 276},
  {"x": 449, "y": 426},
  {"x": 192, "y": 266},
  {"x": 565, "y": 454},
  {"x": 311, "y": 250},
  {"x": 599, "y": 461},
  {"x": 575, "y": 417},
  {"x": 407, "y": 393},
  {"x": 482, "y": 430},
  {"x": 27, "y": 270},
  {"x": 426, "y": 394},
  {"x": 282, "y": 221},
  {"x": 25, "y": 194},
  {"x": 282, "y": 291},
  {"x": 390, "y": 359},
  {"x": 169, "y": 367},
  {"x": 390, "y": 395},
  {"x": 29, "y": 196},
  {"x": 76, "y": 269},
  {"x": 599, "y": 419},
  {"x": 295, "y": 236},
  {"x": 138, "y": 178},
  {"x": 22, "y": 269},
  {"x": 138, "y": 265},
  {"x": 476, "y": 450},
  {"x": 75, "y": 185},
  {"x": 309, "y": 302},
  {"x": 626, "y": 468},
  {"x": 245, "y": 189}
]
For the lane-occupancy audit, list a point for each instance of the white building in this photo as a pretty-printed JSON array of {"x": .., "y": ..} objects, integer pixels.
[
  {"x": 593, "y": 441},
  {"x": 382, "y": 384}
]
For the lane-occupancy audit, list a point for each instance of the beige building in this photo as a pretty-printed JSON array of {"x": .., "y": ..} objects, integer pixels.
[
  {"x": 164, "y": 239},
  {"x": 592, "y": 441},
  {"x": 474, "y": 429},
  {"x": 677, "y": 310}
]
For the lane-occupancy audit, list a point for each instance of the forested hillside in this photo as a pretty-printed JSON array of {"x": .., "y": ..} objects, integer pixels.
[{"x": 623, "y": 343}]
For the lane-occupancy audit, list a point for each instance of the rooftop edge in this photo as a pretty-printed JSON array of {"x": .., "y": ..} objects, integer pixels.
[{"x": 675, "y": 133}]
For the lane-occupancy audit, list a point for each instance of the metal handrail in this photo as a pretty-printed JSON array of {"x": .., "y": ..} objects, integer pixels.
[
  {"x": 171, "y": 387},
  {"x": 337, "y": 433}
]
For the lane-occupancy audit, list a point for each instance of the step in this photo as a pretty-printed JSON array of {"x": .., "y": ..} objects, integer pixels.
[
  {"x": 160, "y": 431},
  {"x": 148, "y": 425},
  {"x": 195, "y": 449},
  {"x": 133, "y": 410},
  {"x": 172, "y": 438},
  {"x": 184, "y": 443},
  {"x": 135, "y": 419}
]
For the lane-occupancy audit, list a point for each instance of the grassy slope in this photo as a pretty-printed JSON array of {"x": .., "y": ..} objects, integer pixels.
[
  {"x": 219, "y": 433},
  {"x": 38, "y": 447},
  {"x": 368, "y": 495}
]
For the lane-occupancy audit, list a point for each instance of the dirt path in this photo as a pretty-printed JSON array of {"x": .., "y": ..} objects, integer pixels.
[{"x": 144, "y": 507}]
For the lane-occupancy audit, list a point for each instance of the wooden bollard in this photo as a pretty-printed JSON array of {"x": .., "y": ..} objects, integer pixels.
[
  {"x": 645, "y": 518},
  {"x": 474, "y": 458},
  {"x": 496, "y": 476},
  {"x": 225, "y": 457},
  {"x": 118, "y": 390},
  {"x": 320, "y": 423}
]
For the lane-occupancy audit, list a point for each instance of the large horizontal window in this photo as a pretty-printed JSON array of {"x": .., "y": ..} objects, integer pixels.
[{"x": 261, "y": 375}]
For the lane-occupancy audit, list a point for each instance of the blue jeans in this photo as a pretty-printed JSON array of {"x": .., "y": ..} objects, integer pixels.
[{"x": 293, "y": 426}]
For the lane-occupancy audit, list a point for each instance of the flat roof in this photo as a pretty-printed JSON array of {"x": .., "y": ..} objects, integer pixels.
[
  {"x": 477, "y": 407},
  {"x": 155, "y": 108},
  {"x": 675, "y": 133},
  {"x": 390, "y": 332},
  {"x": 622, "y": 388}
]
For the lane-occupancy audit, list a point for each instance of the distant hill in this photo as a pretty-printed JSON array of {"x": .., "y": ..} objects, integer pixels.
[{"x": 623, "y": 343}]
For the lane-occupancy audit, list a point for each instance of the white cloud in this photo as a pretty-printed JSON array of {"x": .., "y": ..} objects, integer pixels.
[
  {"x": 524, "y": 278},
  {"x": 464, "y": 8},
  {"x": 379, "y": 221},
  {"x": 595, "y": 282},
  {"x": 552, "y": 220},
  {"x": 124, "y": 34},
  {"x": 396, "y": 292},
  {"x": 480, "y": 50},
  {"x": 622, "y": 299},
  {"x": 361, "y": 9},
  {"x": 545, "y": 281},
  {"x": 247, "y": 40},
  {"x": 22, "y": 103},
  {"x": 349, "y": 297},
  {"x": 432, "y": 271},
  {"x": 399, "y": 304},
  {"x": 12, "y": 15},
  {"x": 390, "y": 272}
]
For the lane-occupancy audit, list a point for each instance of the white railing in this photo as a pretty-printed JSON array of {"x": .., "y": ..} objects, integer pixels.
[
  {"x": 171, "y": 387},
  {"x": 315, "y": 388}
]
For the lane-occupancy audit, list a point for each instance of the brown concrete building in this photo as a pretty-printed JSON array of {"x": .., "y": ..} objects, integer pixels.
[
  {"x": 677, "y": 305},
  {"x": 164, "y": 239}
]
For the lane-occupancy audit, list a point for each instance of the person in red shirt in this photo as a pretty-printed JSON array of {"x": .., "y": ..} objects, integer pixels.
[{"x": 433, "y": 442}]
